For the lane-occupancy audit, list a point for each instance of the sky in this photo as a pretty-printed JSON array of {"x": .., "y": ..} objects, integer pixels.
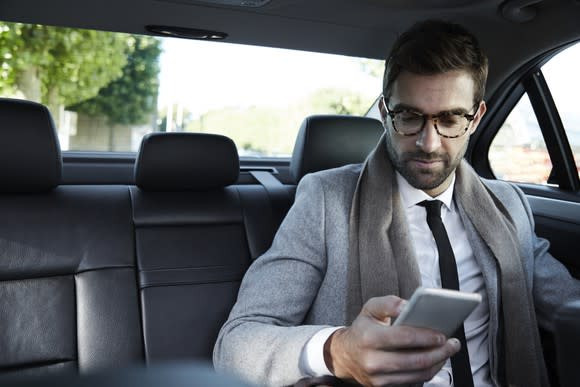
[
  {"x": 563, "y": 77},
  {"x": 205, "y": 75},
  {"x": 208, "y": 75}
]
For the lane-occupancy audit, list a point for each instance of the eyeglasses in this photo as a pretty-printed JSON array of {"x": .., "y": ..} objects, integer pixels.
[{"x": 447, "y": 124}]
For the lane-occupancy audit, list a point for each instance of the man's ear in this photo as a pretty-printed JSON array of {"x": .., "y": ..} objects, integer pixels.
[
  {"x": 478, "y": 115},
  {"x": 383, "y": 109}
]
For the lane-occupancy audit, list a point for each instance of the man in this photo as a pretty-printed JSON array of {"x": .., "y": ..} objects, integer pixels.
[{"x": 358, "y": 242}]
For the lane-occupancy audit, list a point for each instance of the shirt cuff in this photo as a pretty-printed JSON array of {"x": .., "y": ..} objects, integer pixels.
[{"x": 312, "y": 356}]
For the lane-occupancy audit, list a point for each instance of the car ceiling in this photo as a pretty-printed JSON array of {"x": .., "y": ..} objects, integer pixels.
[{"x": 364, "y": 28}]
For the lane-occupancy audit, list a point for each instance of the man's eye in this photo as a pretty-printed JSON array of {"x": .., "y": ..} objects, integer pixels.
[
  {"x": 408, "y": 117},
  {"x": 449, "y": 119}
]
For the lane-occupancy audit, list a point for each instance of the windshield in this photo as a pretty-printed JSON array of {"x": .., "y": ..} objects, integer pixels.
[{"x": 106, "y": 90}]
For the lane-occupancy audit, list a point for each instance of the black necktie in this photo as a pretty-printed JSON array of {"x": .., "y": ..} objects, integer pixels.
[{"x": 449, "y": 280}]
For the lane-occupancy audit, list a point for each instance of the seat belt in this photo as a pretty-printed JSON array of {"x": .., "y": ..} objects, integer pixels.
[{"x": 280, "y": 198}]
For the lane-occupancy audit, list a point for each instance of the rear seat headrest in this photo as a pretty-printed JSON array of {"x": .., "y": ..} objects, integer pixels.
[
  {"x": 330, "y": 141},
  {"x": 186, "y": 162},
  {"x": 30, "y": 159}
]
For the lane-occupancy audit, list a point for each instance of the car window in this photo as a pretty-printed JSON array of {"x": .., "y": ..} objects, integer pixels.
[
  {"x": 518, "y": 152},
  {"x": 563, "y": 78},
  {"x": 106, "y": 90}
]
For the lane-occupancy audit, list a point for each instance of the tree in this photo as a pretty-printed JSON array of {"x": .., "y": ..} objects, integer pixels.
[
  {"x": 271, "y": 131},
  {"x": 338, "y": 101},
  {"x": 132, "y": 98},
  {"x": 59, "y": 66}
]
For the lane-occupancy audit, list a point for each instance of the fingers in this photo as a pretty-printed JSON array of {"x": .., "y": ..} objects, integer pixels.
[
  {"x": 405, "y": 338},
  {"x": 383, "y": 368},
  {"x": 405, "y": 377},
  {"x": 379, "y": 367},
  {"x": 375, "y": 333},
  {"x": 409, "y": 361},
  {"x": 373, "y": 352}
]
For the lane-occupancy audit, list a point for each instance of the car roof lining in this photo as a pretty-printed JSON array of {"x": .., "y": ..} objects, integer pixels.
[{"x": 363, "y": 28}]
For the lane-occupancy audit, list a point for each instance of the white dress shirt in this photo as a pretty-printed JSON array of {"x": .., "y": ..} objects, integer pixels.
[{"x": 470, "y": 280}]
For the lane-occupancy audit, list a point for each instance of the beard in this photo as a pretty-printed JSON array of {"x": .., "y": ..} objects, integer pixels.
[{"x": 424, "y": 178}]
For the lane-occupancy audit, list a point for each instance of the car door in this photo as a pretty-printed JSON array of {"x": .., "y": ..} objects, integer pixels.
[{"x": 532, "y": 138}]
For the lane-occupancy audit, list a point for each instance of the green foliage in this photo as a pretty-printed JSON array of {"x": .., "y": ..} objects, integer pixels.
[
  {"x": 7, "y": 75},
  {"x": 132, "y": 98},
  {"x": 60, "y": 65},
  {"x": 270, "y": 131},
  {"x": 245, "y": 127},
  {"x": 338, "y": 101}
]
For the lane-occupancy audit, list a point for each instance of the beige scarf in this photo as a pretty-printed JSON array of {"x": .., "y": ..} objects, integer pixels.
[{"x": 382, "y": 260}]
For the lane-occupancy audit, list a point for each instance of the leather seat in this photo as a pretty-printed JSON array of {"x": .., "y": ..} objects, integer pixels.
[
  {"x": 68, "y": 293},
  {"x": 196, "y": 234},
  {"x": 567, "y": 340},
  {"x": 331, "y": 141},
  {"x": 105, "y": 276}
]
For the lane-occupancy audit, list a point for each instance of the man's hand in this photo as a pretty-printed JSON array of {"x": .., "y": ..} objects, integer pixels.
[{"x": 374, "y": 353}]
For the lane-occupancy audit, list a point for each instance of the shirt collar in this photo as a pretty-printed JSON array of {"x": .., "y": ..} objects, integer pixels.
[{"x": 411, "y": 196}]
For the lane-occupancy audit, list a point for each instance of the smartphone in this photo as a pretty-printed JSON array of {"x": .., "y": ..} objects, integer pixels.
[{"x": 443, "y": 310}]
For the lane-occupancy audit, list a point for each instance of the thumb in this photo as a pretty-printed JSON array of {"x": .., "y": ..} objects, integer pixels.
[{"x": 383, "y": 309}]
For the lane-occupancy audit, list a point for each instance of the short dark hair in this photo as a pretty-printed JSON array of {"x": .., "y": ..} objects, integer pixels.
[{"x": 433, "y": 47}]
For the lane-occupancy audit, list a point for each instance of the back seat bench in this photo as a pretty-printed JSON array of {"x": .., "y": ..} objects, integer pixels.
[
  {"x": 68, "y": 289},
  {"x": 95, "y": 277},
  {"x": 196, "y": 235}
]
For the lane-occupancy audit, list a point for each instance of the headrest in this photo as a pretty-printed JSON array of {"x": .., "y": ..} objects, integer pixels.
[
  {"x": 330, "y": 141},
  {"x": 186, "y": 162},
  {"x": 30, "y": 159}
]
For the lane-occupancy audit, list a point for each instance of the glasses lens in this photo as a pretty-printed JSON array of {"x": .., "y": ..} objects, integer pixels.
[
  {"x": 452, "y": 124},
  {"x": 408, "y": 122},
  {"x": 448, "y": 124}
]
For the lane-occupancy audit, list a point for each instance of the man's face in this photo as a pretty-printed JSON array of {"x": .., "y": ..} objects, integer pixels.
[{"x": 427, "y": 160}]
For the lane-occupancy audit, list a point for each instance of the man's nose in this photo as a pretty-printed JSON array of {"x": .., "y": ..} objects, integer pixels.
[{"x": 429, "y": 140}]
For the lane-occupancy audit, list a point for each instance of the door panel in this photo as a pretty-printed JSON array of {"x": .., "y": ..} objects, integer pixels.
[{"x": 559, "y": 222}]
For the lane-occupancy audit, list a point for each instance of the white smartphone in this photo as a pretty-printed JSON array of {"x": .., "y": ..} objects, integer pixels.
[{"x": 443, "y": 310}]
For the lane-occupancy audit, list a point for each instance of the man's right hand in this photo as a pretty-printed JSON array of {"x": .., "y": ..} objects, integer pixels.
[{"x": 374, "y": 353}]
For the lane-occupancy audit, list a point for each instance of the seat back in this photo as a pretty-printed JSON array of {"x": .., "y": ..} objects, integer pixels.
[
  {"x": 68, "y": 299},
  {"x": 330, "y": 141},
  {"x": 192, "y": 241},
  {"x": 567, "y": 340},
  {"x": 95, "y": 277}
]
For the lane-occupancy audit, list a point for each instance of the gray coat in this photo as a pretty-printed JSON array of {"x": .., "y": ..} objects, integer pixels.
[{"x": 299, "y": 285}]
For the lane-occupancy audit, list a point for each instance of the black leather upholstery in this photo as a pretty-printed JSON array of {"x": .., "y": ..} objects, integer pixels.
[
  {"x": 96, "y": 277},
  {"x": 192, "y": 242},
  {"x": 30, "y": 153},
  {"x": 186, "y": 162},
  {"x": 330, "y": 141},
  {"x": 567, "y": 340},
  {"x": 68, "y": 287},
  {"x": 71, "y": 298},
  {"x": 168, "y": 375},
  {"x": 192, "y": 253}
]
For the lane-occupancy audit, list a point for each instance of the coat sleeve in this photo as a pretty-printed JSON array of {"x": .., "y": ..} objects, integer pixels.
[
  {"x": 263, "y": 337},
  {"x": 552, "y": 283}
]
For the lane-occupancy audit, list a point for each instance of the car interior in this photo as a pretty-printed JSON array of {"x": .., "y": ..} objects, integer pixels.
[{"x": 132, "y": 260}]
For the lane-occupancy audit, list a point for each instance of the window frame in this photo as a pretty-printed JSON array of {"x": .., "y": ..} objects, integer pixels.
[
  {"x": 564, "y": 172},
  {"x": 529, "y": 79}
]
